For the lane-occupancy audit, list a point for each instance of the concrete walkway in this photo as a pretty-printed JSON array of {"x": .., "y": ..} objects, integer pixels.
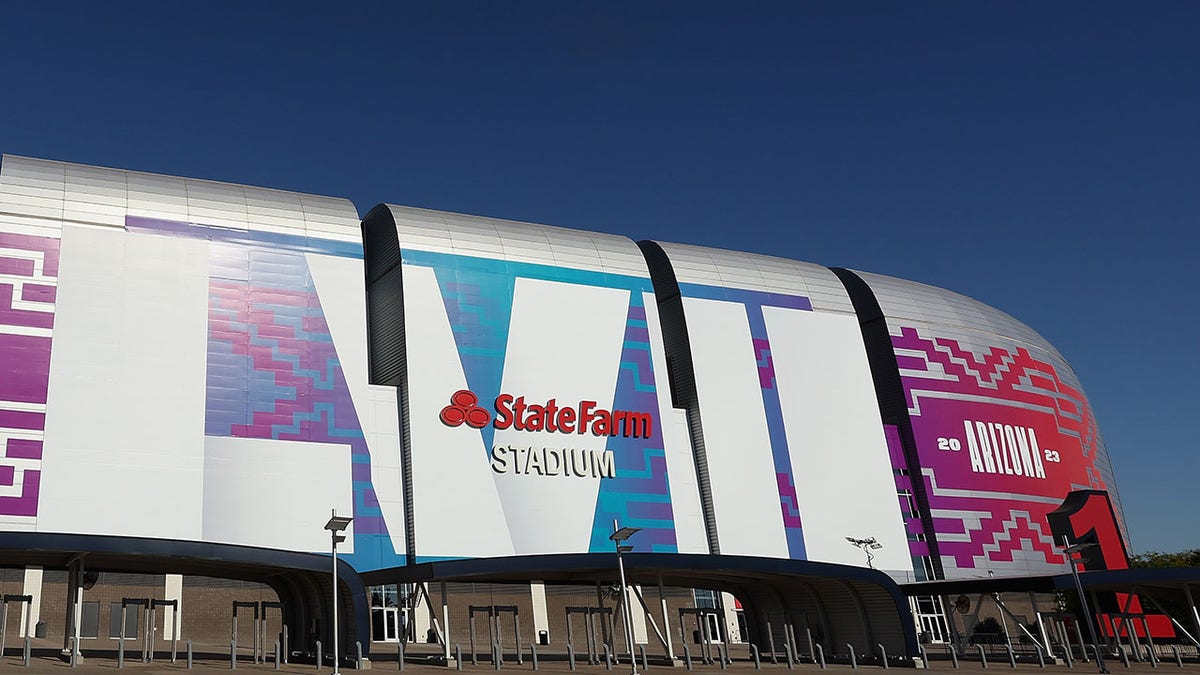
[{"x": 46, "y": 661}]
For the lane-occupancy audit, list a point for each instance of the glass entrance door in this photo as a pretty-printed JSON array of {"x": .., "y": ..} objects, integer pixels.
[
  {"x": 385, "y": 614},
  {"x": 385, "y": 624},
  {"x": 931, "y": 619}
]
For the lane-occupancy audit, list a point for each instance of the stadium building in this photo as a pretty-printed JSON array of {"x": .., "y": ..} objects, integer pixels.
[{"x": 194, "y": 375}]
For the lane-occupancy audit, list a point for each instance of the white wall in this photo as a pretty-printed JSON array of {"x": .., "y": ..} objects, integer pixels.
[
  {"x": 339, "y": 284},
  {"x": 452, "y": 478},
  {"x": 275, "y": 494},
  {"x": 736, "y": 440},
  {"x": 564, "y": 342},
  {"x": 690, "y": 535},
  {"x": 124, "y": 451},
  {"x": 840, "y": 464}
]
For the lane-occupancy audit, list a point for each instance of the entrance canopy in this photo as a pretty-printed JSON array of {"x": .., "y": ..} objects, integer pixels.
[
  {"x": 836, "y": 604},
  {"x": 303, "y": 581},
  {"x": 1161, "y": 588},
  {"x": 1170, "y": 579}
]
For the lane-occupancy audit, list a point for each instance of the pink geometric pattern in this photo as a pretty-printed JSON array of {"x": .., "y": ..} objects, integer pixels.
[
  {"x": 995, "y": 517},
  {"x": 28, "y": 287}
]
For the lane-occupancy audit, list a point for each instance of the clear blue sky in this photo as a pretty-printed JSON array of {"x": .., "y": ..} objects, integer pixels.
[{"x": 1041, "y": 157}]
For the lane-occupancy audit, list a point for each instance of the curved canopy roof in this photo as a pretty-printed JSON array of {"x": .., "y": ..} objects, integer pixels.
[{"x": 851, "y": 604}]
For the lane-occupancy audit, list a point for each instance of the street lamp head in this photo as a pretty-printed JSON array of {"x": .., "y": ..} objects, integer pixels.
[
  {"x": 618, "y": 537},
  {"x": 338, "y": 523},
  {"x": 624, "y": 533},
  {"x": 864, "y": 543}
]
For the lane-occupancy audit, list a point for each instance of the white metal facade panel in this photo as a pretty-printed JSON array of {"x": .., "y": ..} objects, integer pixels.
[
  {"x": 554, "y": 514},
  {"x": 962, "y": 360},
  {"x": 125, "y": 423},
  {"x": 737, "y": 442},
  {"x": 481, "y": 237},
  {"x": 452, "y": 480},
  {"x": 753, "y": 272},
  {"x": 681, "y": 462},
  {"x": 98, "y": 196},
  {"x": 973, "y": 323},
  {"x": 843, "y": 476},
  {"x": 127, "y": 384},
  {"x": 275, "y": 494},
  {"x": 343, "y": 301}
]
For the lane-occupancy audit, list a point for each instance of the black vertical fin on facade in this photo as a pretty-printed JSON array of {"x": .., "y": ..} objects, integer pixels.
[
  {"x": 680, "y": 373},
  {"x": 387, "y": 361},
  {"x": 889, "y": 392}
]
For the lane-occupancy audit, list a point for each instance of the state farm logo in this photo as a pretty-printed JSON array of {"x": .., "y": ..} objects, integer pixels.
[
  {"x": 464, "y": 407},
  {"x": 514, "y": 412},
  {"x": 583, "y": 418}
]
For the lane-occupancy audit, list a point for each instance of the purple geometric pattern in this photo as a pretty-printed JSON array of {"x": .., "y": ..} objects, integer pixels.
[
  {"x": 28, "y": 286},
  {"x": 272, "y": 368},
  {"x": 273, "y": 371},
  {"x": 998, "y": 517},
  {"x": 640, "y": 494},
  {"x": 904, "y": 484}
]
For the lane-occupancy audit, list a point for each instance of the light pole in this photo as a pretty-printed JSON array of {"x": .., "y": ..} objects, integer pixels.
[
  {"x": 619, "y": 535},
  {"x": 1070, "y": 552},
  {"x": 335, "y": 525},
  {"x": 867, "y": 545}
]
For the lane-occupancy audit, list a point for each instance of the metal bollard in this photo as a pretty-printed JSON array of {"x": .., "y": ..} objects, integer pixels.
[
  {"x": 571, "y": 655},
  {"x": 607, "y": 657},
  {"x": 1012, "y": 658},
  {"x": 722, "y": 655},
  {"x": 121, "y": 651},
  {"x": 853, "y": 657},
  {"x": 820, "y": 655},
  {"x": 687, "y": 656},
  {"x": 924, "y": 657},
  {"x": 789, "y": 653},
  {"x": 277, "y": 654},
  {"x": 882, "y": 656},
  {"x": 319, "y": 655},
  {"x": 457, "y": 656},
  {"x": 954, "y": 656},
  {"x": 1178, "y": 658},
  {"x": 358, "y": 662},
  {"x": 1153, "y": 657},
  {"x": 983, "y": 657},
  {"x": 400, "y": 654},
  {"x": 645, "y": 661},
  {"x": 233, "y": 654},
  {"x": 283, "y": 638},
  {"x": 1068, "y": 657},
  {"x": 1041, "y": 657},
  {"x": 189, "y": 655},
  {"x": 533, "y": 653},
  {"x": 496, "y": 656},
  {"x": 1124, "y": 656},
  {"x": 74, "y": 652},
  {"x": 754, "y": 653},
  {"x": 28, "y": 649}
]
